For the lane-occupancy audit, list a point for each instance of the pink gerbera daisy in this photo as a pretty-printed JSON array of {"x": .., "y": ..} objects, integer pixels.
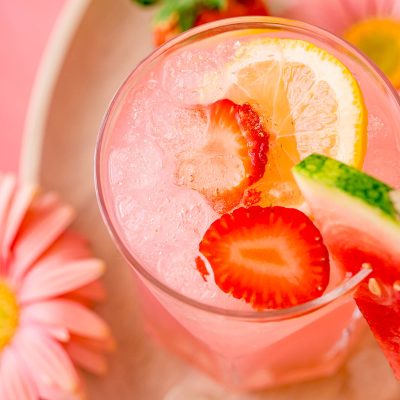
[
  {"x": 47, "y": 280},
  {"x": 371, "y": 25}
]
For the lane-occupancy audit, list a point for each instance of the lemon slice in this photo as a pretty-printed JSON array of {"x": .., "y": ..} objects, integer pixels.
[
  {"x": 379, "y": 39},
  {"x": 310, "y": 103}
]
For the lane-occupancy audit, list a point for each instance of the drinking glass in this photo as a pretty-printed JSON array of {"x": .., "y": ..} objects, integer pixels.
[{"x": 247, "y": 349}]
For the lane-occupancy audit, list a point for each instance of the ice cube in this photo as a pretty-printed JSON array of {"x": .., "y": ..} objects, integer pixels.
[
  {"x": 179, "y": 128},
  {"x": 186, "y": 216},
  {"x": 136, "y": 166},
  {"x": 193, "y": 76},
  {"x": 178, "y": 270}
]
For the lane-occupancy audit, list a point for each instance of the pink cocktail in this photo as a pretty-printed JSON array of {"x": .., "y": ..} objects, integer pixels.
[{"x": 158, "y": 219}]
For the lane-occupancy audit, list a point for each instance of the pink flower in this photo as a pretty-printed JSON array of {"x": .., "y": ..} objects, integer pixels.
[
  {"x": 371, "y": 25},
  {"x": 47, "y": 280}
]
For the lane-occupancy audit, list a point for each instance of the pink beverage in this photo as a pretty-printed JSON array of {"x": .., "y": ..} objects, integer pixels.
[{"x": 158, "y": 221}]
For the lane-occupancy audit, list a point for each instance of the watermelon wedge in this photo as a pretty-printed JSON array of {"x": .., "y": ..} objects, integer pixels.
[{"x": 359, "y": 221}]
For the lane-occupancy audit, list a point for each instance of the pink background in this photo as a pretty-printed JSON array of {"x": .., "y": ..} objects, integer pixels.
[{"x": 25, "y": 26}]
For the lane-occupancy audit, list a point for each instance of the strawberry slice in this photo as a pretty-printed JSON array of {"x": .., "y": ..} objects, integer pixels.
[
  {"x": 271, "y": 257},
  {"x": 233, "y": 157}
]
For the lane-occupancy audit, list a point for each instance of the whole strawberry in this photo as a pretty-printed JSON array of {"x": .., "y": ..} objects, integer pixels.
[
  {"x": 176, "y": 16},
  {"x": 232, "y": 8}
]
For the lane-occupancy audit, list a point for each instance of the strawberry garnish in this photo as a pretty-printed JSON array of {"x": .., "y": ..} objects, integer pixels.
[
  {"x": 231, "y": 9},
  {"x": 233, "y": 157},
  {"x": 271, "y": 257},
  {"x": 176, "y": 16},
  {"x": 165, "y": 30}
]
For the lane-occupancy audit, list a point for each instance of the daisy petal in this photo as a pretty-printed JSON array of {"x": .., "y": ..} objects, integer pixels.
[
  {"x": 46, "y": 360},
  {"x": 68, "y": 247},
  {"x": 8, "y": 184},
  {"x": 44, "y": 222},
  {"x": 333, "y": 15},
  {"x": 105, "y": 345},
  {"x": 58, "y": 333},
  {"x": 67, "y": 314},
  {"x": 7, "y": 188},
  {"x": 49, "y": 281},
  {"x": 15, "y": 381},
  {"x": 86, "y": 358},
  {"x": 47, "y": 392},
  {"x": 93, "y": 292},
  {"x": 21, "y": 201},
  {"x": 393, "y": 9},
  {"x": 57, "y": 394}
]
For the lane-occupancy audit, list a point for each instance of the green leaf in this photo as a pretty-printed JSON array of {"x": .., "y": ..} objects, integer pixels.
[
  {"x": 165, "y": 12},
  {"x": 145, "y": 2},
  {"x": 214, "y": 4},
  {"x": 187, "y": 18},
  {"x": 186, "y": 11}
]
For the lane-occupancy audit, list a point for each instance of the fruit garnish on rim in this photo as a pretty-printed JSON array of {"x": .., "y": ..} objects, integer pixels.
[
  {"x": 270, "y": 257},
  {"x": 176, "y": 16},
  {"x": 232, "y": 158},
  {"x": 310, "y": 102},
  {"x": 359, "y": 222}
]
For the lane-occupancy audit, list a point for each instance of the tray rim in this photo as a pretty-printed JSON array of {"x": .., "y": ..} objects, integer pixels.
[{"x": 45, "y": 80}]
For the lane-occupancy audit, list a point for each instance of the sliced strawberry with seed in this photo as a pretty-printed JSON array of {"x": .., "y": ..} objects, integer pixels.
[
  {"x": 233, "y": 158},
  {"x": 271, "y": 257}
]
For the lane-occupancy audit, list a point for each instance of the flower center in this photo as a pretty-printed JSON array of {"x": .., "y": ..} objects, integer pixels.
[
  {"x": 379, "y": 39},
  {"x": 9, "y": 314}
]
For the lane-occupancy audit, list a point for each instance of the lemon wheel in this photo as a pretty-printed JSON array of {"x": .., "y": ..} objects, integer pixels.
[{"x": 310, "y": 103}]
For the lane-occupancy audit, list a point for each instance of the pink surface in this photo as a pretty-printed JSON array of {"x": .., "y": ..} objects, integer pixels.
[{"x": 25, "y": 27}]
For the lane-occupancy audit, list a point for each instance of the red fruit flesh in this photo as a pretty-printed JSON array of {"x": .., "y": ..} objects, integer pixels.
[
  {"x": 382, "y": 312},
  {"x": 271, "y": 257},
  {"x": 201, "y": 267},
  {"x": 378, "y": 297},
  {"x": 257, "y": 140},
  {"x": 234, "y": 8},
  {"x": 188, "y": 13},
  {"x": 233, "y": 157},
  {"x": 166, "y": 30}
]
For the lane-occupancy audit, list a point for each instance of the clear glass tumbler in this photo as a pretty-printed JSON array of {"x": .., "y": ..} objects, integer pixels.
[{"x": 247, "y": 349}]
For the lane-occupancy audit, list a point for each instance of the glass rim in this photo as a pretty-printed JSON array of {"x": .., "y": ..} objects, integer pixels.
[{"x": 219, "y": 27}]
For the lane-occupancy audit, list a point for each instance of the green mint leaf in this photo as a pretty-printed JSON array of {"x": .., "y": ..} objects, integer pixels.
[
  {"x": 214, "y": 4},
  {"x": 165, "y": 12},
  {"x": 187, "y": 18},
  {"x": 186, "y": 11},
  {"x": 145, "y": 2}
]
